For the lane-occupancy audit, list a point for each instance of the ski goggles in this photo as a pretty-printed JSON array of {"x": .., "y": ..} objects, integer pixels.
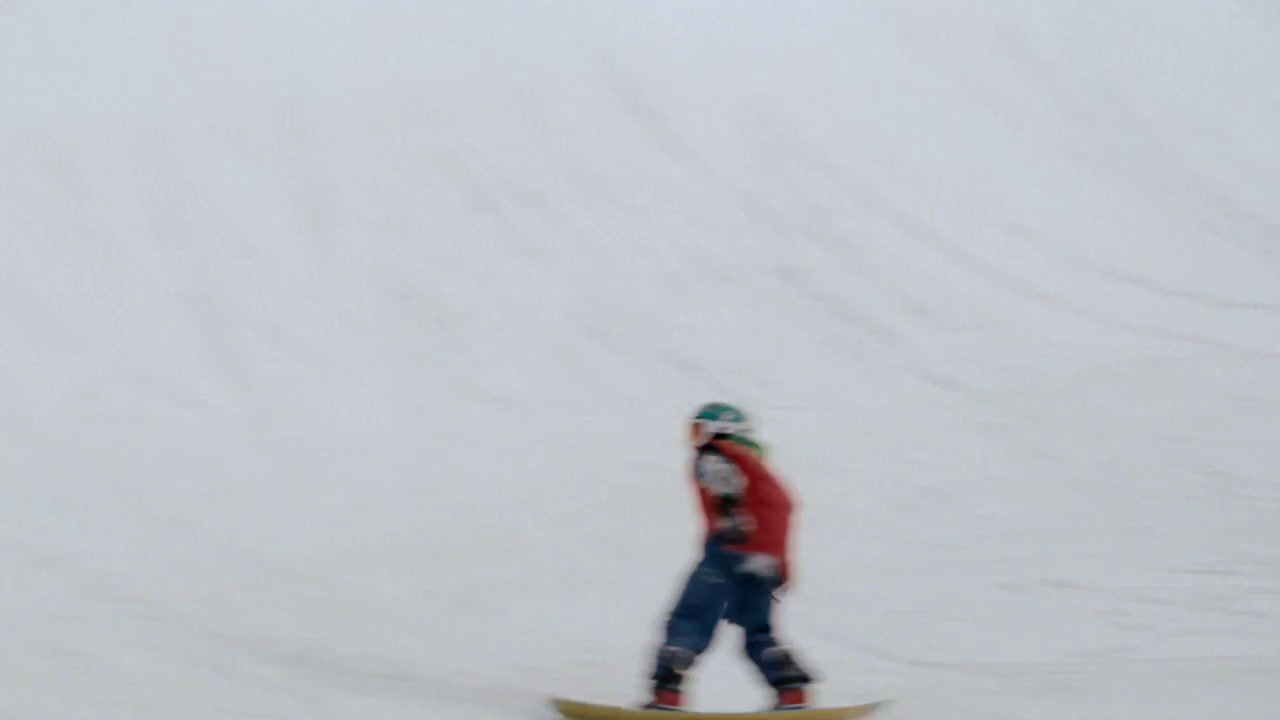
[{"x": 701, "y": 430}]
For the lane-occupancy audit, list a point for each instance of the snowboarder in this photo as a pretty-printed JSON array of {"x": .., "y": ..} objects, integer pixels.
[{"x": 745, "y": 561}]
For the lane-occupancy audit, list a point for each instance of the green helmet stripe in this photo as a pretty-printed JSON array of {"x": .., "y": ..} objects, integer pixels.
[{"x": 749, "y": 444}]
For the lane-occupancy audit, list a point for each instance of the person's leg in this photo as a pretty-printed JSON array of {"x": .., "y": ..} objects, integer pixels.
[
  {"x": 690, "y": 627},
  {"x": 751, "y": 607}
]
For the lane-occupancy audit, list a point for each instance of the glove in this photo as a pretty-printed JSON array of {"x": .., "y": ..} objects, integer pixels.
[
  {"x": 763, "y": 566},
  {"x": 734, "y": 528}
]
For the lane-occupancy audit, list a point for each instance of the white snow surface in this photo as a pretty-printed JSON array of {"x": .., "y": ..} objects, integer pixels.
[{"x": 346, "y": 350}]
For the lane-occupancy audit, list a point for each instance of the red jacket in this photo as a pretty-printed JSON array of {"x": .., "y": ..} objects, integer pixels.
[{"x": 765, "y": 501}]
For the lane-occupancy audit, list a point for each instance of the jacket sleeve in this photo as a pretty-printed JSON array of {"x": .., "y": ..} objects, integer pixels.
[
  {"x": 720, "y": 477},
  {"x": 727, "y": 484}
]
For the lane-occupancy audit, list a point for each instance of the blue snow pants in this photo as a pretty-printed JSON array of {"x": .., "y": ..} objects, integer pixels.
[{"x": 716, "y": 591}]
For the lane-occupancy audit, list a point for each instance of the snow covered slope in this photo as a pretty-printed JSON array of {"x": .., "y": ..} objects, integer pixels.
[{"x": 345, "y": 350}]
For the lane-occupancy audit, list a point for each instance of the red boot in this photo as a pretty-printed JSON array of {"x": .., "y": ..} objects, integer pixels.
[
  {"x": 665, "y": 699},
  {"x": 792, "y": 698}
]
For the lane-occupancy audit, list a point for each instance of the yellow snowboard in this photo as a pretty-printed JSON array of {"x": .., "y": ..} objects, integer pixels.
[{"x": 574, "y": 710}]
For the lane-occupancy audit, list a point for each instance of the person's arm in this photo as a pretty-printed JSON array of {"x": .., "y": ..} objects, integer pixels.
[{"x": 727, "y": 484}]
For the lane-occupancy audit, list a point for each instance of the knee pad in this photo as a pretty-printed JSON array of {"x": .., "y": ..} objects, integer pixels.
[
  {"x": 676, "y": 658},
  {"x": 784, "y": 670}
]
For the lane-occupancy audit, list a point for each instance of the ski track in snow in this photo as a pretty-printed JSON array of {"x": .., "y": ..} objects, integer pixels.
[{"x": 344, "y": 354}]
